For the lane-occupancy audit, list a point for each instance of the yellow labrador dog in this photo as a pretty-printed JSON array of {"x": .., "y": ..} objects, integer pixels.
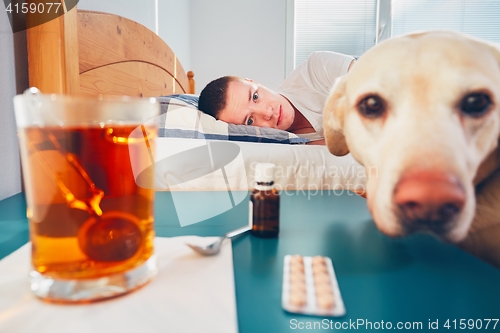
[{"x": 422, "y": 113}]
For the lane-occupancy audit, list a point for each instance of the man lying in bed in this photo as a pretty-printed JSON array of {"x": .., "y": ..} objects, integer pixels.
[{"x": 295, "y": 106}]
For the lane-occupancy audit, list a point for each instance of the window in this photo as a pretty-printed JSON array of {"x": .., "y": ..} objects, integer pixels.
[
  {"x": 478, "y": 18},
  {"x": 342, "y": 26},
  {"x": 354, "y": 26}
]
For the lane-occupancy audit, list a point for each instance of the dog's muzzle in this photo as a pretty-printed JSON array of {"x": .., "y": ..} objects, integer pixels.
[{"x": 429, "y": 200}]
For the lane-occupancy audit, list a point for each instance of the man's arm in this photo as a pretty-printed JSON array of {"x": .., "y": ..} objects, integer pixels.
[{"x": 325, "y": 67}]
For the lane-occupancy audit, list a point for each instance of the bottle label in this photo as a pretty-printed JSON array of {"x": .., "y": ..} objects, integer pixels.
[{"x": 263, "y": 187}]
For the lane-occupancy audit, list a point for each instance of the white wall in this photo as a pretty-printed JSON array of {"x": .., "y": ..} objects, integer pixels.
[
  {"x": 11, "y": 47},
  {"x": 142, "y": 11},
  {"x": 245, "y": 38},
  {"x": 175, "y": 29},
  {"x": 214, "y": 37}
]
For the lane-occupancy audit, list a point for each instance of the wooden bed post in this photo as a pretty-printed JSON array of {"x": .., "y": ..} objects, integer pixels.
[
  {"x": 53, "y": 54},
  {"x": 192, "y": 87}
]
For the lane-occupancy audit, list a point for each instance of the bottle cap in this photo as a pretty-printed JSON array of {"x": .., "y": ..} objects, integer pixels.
[{"x": 264, "y": 172}]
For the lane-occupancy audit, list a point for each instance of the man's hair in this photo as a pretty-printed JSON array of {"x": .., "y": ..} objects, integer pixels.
[{"x": 213, "y": 97}]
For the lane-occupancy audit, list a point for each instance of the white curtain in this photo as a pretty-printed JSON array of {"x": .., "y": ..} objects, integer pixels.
[
  {"x": 349, "y": 26},
  {"x": 479, "y": 18},
  {"x": 344, "y": 26}
]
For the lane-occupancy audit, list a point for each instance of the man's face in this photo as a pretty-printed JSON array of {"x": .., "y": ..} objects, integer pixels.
[{"x": 250, "y": 103}]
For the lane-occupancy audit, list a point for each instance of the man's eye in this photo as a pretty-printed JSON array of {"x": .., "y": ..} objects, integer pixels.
[
  {"x": 255, "y": 96},
  {"x": 249, "y": 121}
]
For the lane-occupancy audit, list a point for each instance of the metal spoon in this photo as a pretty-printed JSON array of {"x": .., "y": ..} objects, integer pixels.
[{"x": 214, "y": 248}]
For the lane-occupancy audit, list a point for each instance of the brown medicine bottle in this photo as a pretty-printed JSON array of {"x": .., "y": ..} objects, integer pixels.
[{"x": 265, "y": 203}]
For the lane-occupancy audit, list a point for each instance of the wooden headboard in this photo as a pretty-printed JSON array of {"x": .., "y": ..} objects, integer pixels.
[{"x": 91, "y": 53}]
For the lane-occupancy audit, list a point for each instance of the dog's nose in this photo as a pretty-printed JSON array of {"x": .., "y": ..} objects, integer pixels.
[{"x": 429, "y": 198}]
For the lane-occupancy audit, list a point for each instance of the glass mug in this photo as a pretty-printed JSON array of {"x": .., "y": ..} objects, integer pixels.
[{"x": 91, "y": 224}]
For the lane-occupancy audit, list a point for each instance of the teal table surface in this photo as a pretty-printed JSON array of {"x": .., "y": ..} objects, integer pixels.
[{"x": 416, "y": 282}]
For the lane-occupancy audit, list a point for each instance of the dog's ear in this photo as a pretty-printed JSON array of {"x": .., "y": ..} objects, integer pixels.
[
  {"x": 333, "y": 120},
  {"x": 495, "y": 50}
]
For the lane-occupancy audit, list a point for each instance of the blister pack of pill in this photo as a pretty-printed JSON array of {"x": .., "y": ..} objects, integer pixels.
[{"x": 310, "y": 286}]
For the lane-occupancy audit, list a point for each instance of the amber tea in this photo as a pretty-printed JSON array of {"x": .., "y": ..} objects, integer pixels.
[
  {"x": 88, "y": 218},
  {"x": 91, "y": 220}
]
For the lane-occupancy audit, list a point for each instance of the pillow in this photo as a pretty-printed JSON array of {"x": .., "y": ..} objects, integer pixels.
[{"x": 180, "y": 118}]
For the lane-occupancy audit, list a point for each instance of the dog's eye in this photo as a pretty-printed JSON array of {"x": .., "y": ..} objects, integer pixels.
[
  {"x": 371, "y": 106},
  {"x": 475, "y": 104}
]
